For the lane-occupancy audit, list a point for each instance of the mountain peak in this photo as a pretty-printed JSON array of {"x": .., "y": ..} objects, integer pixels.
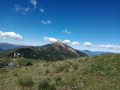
[
  {"x": 55, "y": 51},
  {"x": 59, "y": 42}
]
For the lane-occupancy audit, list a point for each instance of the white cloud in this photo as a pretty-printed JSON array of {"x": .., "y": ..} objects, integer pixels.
[
  {"x": 88, "y": 44},
  {"x": 41, "y": 10},
  {"x": 67, "y": 41},
  {"x": 75, "y": 43},
  {"x": 4, "y": 38},
  {"x": 50, "y": 39},
  {"x": 110, "y": 46},
  {"x": 66, "y": 31},
  {"x": 19, "y": 8},
  {"x": 13, "y": 35},
  {"x": 34, "y": 2},
  {"x": 43, "y": 22},
  {"x": 49, "y": 22},
  {"x": 46, "y": 22}
]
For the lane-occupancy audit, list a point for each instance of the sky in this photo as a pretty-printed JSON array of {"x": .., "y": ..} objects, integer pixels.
[{"x": 83, "y": 24}]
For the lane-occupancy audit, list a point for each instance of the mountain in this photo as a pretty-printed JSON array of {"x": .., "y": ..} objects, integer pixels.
[
  {"x": 93, "y": 52},
  {"x": 7, "y": 46},
  {"x": 54, "y": 51},
  {"x": 1, "y": 50}
]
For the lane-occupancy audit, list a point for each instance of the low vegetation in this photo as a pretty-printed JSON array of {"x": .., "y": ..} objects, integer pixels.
[
  {"x": 57, "y": 79},
  {"x": 25, "y": 82},
  {"x": 86, "y": 73},
  {"x": 4, "y": 62},
  {"x": 44, "y": 84},
  {"x": 25, "y": 62}
]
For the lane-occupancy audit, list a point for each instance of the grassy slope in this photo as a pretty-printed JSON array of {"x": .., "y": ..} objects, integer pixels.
[{"x": 87, "y": 73}]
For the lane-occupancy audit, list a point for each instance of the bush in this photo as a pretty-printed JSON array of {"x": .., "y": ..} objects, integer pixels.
[
  {"x": 44, "y": 84},
  {"x": 60, "y": 68},
  {"x": 57, "y": 78},
  {"x": 2, "y": 70},
  {"x": 4, "y": 62},
  {"x": 75, "y": 66},
  {"x": 67, "y": 70},
  {"x": 45, "y": 65},
  {"x": 15, "y": 74},
  {"x": 47, "y": 71},
  {"x": 25, "y": 62},
  {"x": 25, "y": 82}
]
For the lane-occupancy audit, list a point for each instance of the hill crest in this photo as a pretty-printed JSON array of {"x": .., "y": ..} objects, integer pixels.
[{"x": 54, "y": 51}]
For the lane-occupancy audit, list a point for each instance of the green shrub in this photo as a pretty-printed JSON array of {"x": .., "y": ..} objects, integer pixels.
[
  {"x": 75, "y": 66},
  {"x": 57, "y": 78},
  {"x": 67, "y": 70},
  {"x": 25, "y": 82},
  {"x": 54, "y": 65},
  {"x": 45, "y": 65},
  {"x": 44, "y": 84},
  {"x": 61, "y": 67},
  {"x": 25, "y": 62},
  {"x": 69, "y": 62},
  {"x": 47, "y": 71},
  {"x": 4, "y": 62},
  {"x": 15, "y": 74},
  {"x": 2, "y": 70}
]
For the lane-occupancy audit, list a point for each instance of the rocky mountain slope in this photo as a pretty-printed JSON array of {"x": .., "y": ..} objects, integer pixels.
[{"x": 54, "y": 51}]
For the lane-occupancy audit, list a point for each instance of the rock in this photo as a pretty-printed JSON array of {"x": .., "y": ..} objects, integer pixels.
[{"x": 11, "y": 65}]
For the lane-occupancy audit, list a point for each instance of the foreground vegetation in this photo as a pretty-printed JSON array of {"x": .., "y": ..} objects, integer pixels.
[{"x": 85, "y": 73}]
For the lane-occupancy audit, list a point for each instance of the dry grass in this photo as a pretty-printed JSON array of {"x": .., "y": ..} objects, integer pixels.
[{"x": 88, "y": 73}]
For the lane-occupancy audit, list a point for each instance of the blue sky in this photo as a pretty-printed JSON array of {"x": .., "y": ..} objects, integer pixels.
[{"x": 84, "y": 24}]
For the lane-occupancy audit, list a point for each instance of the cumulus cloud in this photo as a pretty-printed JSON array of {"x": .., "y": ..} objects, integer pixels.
[
  {"x": 19, "y": 8},
  {"x": 13, "y": 35},
  {"x": 34, "y": 3},
  {"x": 75, "y": 43},
  {"x": 67, "y": 41},
  {"x": 88, "y": 44},
  {"x": 50, "y": 39},
  {"x": 41, "y": 10},
  {"x": 4, "y": 38},
  {"x": 110, "y": 46},
  {"x": 46, "y": 22}
]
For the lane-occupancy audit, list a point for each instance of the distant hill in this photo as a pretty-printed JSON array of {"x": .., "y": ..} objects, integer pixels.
[
  {"x": 54, "y": 51},
  {"x": 6, "y": 46},
  {"x": 1, "y": 50},
  {"x": 93, "y": 52}
]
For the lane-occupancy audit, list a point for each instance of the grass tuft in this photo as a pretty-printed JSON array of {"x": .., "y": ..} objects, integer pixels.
[
  {"x": 57, "y": 79},
  {"x": 25, "y": 82},
  {"x": 44, "y": 84}
]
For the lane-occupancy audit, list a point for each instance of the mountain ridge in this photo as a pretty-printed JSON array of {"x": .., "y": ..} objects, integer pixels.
[
  {"x": 1, "y": 50},
  {"x": 6, "y": 46},
  {"x": 88, "y": 52},
  {"x": 54, "y": 51}
]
